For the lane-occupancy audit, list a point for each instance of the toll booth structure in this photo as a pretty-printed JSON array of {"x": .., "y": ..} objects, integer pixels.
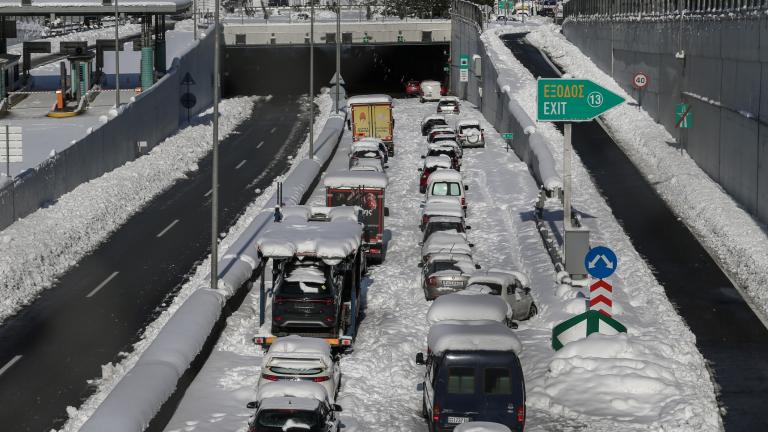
[{"x": 331, "y": 234}]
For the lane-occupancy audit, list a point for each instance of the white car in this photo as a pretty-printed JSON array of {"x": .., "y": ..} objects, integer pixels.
[
  {"x": 293, "y": 406},
  {"x": 511, "y": 286},
  {"x": 446, "y": 186},
  {"x": 298, "y": 358},
  {"x": 430, "y": 91},
  {"x": 469, "y": 133},
  {"x": 445, "y": 242},
  {"x": 379, "y": 143},
  {"x": 365, "y": 164},
  {"x": 448, "y": 105}
]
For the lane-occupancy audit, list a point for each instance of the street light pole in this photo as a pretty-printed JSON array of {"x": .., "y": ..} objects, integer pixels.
[
  {"x": 215, "y": 171},
  {"x": 117, "y": 59},
  {"x": 311, "y": 79},
  {"x": 338, "y": 52},
  {"x": 194, "y": 19}
]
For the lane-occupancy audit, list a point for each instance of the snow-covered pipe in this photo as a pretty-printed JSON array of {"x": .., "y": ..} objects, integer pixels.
[{"x": 137, "y": 398}]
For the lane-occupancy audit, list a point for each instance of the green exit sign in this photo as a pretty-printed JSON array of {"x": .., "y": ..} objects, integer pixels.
[
  {"x": 508, "y": 135},
  {"x": 575, "y": 100}
]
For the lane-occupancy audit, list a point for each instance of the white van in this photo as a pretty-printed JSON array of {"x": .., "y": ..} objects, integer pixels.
[
  {"x": 446, "y": 185},
  {"x": 430, "y": 91}
]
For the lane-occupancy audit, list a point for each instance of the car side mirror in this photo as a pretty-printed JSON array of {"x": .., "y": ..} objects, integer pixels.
[
  {"x": 423, "y": 157},
  {"x": 421, "y": 265},
  {"x": 386, "y": 211},
  {"x": 337, "y": 407},
  {"x": 420, "y": 359},
  {"x": 252, "y": 405},
  {"x": 467, "y": 227},
  {"x": 466, "y": 188},
  {"x": 471, "y": 245},
  {"x": 477, "y": 266},
  {"x": 419, "y": 169}
]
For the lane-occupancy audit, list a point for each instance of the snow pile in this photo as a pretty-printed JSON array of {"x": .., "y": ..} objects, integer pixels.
[
  {"x": 481, "y": 427},
  {"x": 446, "y": 242},
  {"x": 340, "y": 179},
  {"x": 478, "y": 335},
  {"x": 43, "y": 245},
  {"x": 616, "y": 377},
  {"x": 459, "y": 307},
  {"x": 334, "y": 239},
  {"x": 294, "y": 344},
  {"x": 297, "y": 389},
  {"x": 738, "y": 242}
]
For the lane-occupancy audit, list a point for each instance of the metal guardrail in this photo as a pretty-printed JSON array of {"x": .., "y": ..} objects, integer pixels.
[
  {"x": 661, "y": 7},
  {"x": 468, "y": 12}
]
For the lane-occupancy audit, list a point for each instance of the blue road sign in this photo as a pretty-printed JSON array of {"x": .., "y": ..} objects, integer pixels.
[{"x": 600, "y": 262}]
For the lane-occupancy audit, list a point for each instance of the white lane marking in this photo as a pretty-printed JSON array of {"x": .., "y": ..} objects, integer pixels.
[
  {"x": 101, "y": 285},
  {"x": 175, "y": 221},
  {"x": 273, "y": 130},
  {"x": 210, "y": 191},
  {"x": 10, "y": 363},
  {"x": 260, "y": 144},
  {"x": 242, "y": 162}
]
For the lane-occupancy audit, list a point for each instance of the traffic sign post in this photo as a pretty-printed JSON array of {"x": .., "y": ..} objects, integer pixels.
[
  {"x": 508, "y": 137},
  {"x": 640, "y": 81},
  {"x": 683, "y": 120},
  {"x": 600, "y": 262},
  {"x": 463, "y": 68}
]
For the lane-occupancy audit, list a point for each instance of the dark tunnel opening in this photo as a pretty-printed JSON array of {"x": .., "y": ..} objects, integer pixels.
[{"x": 279, "y": 70}]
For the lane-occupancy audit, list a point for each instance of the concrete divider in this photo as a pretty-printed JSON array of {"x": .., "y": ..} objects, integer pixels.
[{"x": 137, "y": 398}]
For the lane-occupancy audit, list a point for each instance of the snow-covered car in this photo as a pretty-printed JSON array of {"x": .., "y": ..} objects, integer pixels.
[
  {"x": 308, "y": 297},
  {"x": 450, "y": 224},
  {"x": 473, "y": 373},
  {"x": 365, "y": 150},
  {"x": 298, "y": 358},
  {"x": 445, "y": 242},
  {"x": 440, "y": 130},
  {"x": 431, "y": 121},
  {"x": 366, "y": 164},
  {"x": 448, "y": 105},
  {"x": 444, "y": 150},
  {"x": 446, "y": 185},
  {"x": 444, "y": 273},
  {"x": 371, "y": 140},
  {"x": 447, "y": 141},
  {"x": 434, "y": 209},
  {"x": 430, "y": 91},
  {"x": 293, "y": 406},
  {"x": 511, "y": 286},
  {"x": 459, "y": 306},
  {"x": 481, "y": 426},
  {"x": 432, "y": 163},
  {"x": 470, "y": 133}
]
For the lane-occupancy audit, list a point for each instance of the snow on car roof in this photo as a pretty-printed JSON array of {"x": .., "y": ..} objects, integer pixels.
[
  {"x": 351, "y": 179},
  {"x": 439, "y": 161},
  {"x": 462, "y": 307},
  {"x": 369, "y": 99},
  {"x": 294, "y": 343},
  {"x": 445, "y": 175},
  {"x": 442, "y": 241},
  {"x": 430, "y": 82},
  {"x": 335, "y": 238},
  {"x": 481, "y": 427},
  {"x": 449, "y": 99},
  {"x": 472, "y": 336},
  {"x": 306, "y": 274},
  {"x": 444, "y": 219},
  {"x": 459, "y": 258},
  {"x": 451, "y": 144},
  {"x": 502, "y": 278},
  {"x": 468, "y": 122},
  {"x": 366, "y": 164},
  {"x": 433, "y": 117},
  {"x": 363, "y": 146},
  {"x": 297, "y": 389},
  {"x": 443, "y": 208}
]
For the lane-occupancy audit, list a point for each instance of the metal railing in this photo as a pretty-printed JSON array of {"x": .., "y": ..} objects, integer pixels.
[
  {"x": 468, "y": 12},
  {"x": 661, "y": 7}
]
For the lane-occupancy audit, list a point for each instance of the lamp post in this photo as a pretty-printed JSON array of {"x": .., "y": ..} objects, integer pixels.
[
  {"x": 311, "y": 79},
  {"x": 215, "y": 171},
  {"x": 338, "y": 51},
  {"x": 117, "y": 59},
  {"x": 194, "y": 19}
]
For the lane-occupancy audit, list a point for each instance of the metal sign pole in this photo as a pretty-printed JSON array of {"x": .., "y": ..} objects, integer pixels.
[
  {"x": 117, "y": 58},
  {"x": 338, "y": 52},
  {"x": 312, "y": 79},
  {"x": 215, "y": 193},
  {"x": 7, "y": 153},
  {"x": 194, "y": 19},
  {"x": 567, "y": 149}
]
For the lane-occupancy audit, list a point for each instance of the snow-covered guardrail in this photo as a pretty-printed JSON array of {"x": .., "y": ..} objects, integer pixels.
[{"x": 137, "y": 398}]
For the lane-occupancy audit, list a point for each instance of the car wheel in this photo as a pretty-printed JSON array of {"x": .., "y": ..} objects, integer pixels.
[
  {"x": 424, "y": 412},
  {"x": 421, "y": 100},
  {"x": 533, "y": 310}
]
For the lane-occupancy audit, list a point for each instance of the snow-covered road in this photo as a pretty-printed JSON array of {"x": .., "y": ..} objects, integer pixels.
[{"x": 652, "y": 379}]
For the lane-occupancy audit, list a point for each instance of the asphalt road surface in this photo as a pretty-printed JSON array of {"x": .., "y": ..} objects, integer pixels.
[
  {"x": 728, "y": 333},
  {"x": 99, "y": 308}
]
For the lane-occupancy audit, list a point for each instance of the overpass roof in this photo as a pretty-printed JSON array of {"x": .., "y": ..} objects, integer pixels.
[{"x": 91, "y": 7}]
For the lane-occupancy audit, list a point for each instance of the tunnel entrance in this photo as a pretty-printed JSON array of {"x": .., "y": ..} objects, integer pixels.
[{"x": 284, "y": 70}]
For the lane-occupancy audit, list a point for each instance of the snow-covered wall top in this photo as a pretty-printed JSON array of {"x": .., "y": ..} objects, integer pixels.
[{"x": 92, "y": 6}]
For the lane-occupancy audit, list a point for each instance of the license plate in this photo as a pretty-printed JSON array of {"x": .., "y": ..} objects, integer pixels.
[
  {"x": 453, "y": 283},
  {"x": 458, "y": 420}
]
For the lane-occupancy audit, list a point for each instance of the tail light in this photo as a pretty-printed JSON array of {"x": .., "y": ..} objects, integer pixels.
[
  {"x": 329, "y": 319},
  {"x": 278, "y": 318},
  {"x": 269, "y": 377},
  {"x": 521, "y": 414},
  {"x": 463, "y": 201},
  {"x": 280, "y": 300},
  {"x": 325, "y": 301},
  {"x": 423, "y": 179},
  {"x": 435, "y": 412},
  {"x": 424, "y": 219},
  {"x": 431, "y": 281},
  {"x": 323, "y": 379},
  {"x": 346, "y": 341}
]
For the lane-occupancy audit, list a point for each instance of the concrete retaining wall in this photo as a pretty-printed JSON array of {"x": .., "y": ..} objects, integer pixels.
[
  {"x": 152, "y": 117},
  {"x": 724, "y": 77}
]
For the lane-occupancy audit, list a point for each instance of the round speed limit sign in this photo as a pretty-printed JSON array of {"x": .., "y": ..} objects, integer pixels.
[{"x": 640, "y": 80}]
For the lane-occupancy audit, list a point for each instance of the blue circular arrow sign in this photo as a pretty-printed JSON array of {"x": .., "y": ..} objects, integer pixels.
[{"x": 600, "y": 262}]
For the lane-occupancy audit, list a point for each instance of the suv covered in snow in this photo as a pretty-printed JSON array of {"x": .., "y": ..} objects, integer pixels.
[
  {"x": 307, "y": 299},
  {"x": 472, "y": 374},
  {"x": 450, "y": 224},
  {"x": 448, "y": 105},
  {"x": 293, "y": 406},
  {"x": 469, "y": 133},
  {"x": 431, "y": 121}
]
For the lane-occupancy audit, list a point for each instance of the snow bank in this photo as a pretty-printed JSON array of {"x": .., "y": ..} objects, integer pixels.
[
  {"x": 131, "y": 397},
  {"x": 460, "y": 307},
  {"x": 481, "y": 427},
  {"x": 476, "y": 335},
  {"x": 737, "y": 241}
]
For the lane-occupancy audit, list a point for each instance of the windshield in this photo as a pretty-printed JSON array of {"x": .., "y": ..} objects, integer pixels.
[
  {"x": 287, "y": 420},
  {"x": 438, "y": 152},
  {"x": 444, "y": 265},
  {"x": 434, "y": 227},
  {"x": 286, "y": 366},
  {"x": 446, "y": 189},
  {"x": 448, "y": 104},
  {"x": 368, "y": 154}
]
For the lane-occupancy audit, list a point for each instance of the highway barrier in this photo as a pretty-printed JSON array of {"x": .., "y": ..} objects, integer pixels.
[{"x": 139, "y": 396}]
